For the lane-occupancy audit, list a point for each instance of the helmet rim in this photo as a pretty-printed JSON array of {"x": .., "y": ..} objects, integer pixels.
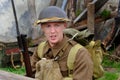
[{"x": 52, "y": 14}]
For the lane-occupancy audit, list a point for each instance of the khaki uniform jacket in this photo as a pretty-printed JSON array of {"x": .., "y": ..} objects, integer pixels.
[{"x": 83, "y": 65}]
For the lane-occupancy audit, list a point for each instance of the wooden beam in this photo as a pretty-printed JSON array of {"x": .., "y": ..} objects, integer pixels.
[
  {"x": 11, "y": 76},
  {"x": 91, "y": 17},
  {"x": 83, "y": 23}
]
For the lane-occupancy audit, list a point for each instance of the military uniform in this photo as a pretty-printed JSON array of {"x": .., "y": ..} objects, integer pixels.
[{"x": 83, "y": 66}]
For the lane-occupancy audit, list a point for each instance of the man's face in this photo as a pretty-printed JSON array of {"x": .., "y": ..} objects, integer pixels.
[{"x": 53, "y": 31}]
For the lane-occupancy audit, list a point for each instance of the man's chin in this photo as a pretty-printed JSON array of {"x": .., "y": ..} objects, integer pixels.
[{"x": 53, "y": 41}]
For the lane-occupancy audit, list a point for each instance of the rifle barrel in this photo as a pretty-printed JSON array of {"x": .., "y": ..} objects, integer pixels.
[{"x": 15, "y": 16}]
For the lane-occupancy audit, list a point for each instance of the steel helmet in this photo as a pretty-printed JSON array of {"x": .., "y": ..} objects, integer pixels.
[{"x": 52, "y": 14}]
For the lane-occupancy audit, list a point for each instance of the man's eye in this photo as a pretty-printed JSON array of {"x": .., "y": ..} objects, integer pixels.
[
  {"x": 48, "y": 26},
  {"x": 57, "y": 25}
]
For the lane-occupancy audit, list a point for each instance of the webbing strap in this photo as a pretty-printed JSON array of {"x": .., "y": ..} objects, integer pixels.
[
  {"x": 72, "y": 55},
  {"x": 40, "y": 49}
]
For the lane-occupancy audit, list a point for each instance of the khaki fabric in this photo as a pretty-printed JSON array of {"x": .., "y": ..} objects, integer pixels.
[
  {"x": 48, "y": 70},
  {"x": 97, "y": 52},
  {"x": 83, "y": 65},
  {"x": 94, "y": 47},
  {"x": 71, "y": 57},
  {"x": 83, "y": 37},
  {"x": 67, "y": 78}
]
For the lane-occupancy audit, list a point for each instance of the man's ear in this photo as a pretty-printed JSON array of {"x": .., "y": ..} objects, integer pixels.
[{"x": 65, "y": 25}]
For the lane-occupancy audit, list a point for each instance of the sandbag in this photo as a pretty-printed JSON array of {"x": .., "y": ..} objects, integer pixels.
[{"x": 48, "y": 70}]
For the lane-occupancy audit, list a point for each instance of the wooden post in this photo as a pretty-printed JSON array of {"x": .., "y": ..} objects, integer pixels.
[
  {"x": 71, "y": 11},
  {"x": 53, "y": 2},
  {"x": 91, "y": 17},
  {"x": 87, "y": 2}
]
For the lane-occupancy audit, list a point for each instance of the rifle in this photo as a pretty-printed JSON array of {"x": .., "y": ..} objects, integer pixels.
[{"x": 22, "y": 43}]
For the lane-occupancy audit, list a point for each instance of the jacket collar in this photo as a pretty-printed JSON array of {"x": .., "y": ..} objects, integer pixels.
[{"x": 57, "y": 48}]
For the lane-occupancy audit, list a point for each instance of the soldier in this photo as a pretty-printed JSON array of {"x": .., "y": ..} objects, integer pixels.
[{"x": 53, "y": 21}]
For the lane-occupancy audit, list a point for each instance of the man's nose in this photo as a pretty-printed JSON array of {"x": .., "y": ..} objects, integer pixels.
[{"x": 52, "y": 29}]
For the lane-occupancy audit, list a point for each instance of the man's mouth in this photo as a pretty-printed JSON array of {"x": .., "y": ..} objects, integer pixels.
[{"x": 53, "y": 37}]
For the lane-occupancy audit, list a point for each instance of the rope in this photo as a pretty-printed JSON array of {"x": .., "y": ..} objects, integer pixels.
[{"x": 12, "y": 60}]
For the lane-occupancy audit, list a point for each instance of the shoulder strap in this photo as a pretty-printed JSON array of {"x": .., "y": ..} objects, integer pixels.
[
  {"x": 72, "y": 55},
  {"x": 40, "y": 49}
]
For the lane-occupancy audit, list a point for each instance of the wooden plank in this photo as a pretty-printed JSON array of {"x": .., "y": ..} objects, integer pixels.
[
  {"x": 91, "y": 18},
  {"x": 11, "y": 76}
]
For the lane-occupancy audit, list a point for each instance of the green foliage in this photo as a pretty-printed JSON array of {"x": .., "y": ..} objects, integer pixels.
[
  {"x": 78, "y": 12},
  {"x": 109, "y": 62},
  {"x": 20, "y": 71},
  {"x": 105, "y": 14},
  {"x": 112, "y": 73},
  {"x": 110, "y": 76}
]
